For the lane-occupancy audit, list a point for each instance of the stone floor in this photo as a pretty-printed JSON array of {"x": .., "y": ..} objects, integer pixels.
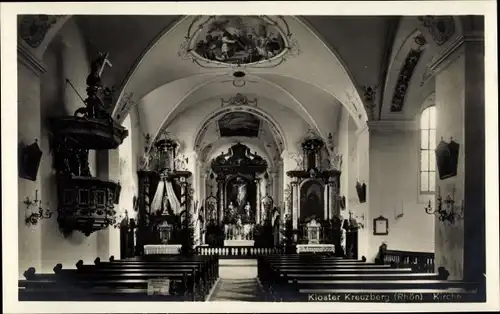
[{"x": 237, "y": 282}]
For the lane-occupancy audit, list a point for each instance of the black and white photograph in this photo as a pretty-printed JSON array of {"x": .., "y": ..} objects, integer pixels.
[{"x": 173, "y": 157}]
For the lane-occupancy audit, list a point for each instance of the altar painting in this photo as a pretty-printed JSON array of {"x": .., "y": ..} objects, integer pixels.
[
  {"x": 239, "y": 124},
  {"x": 240, "y": 200},
  {"x": 312, "y": 200}
]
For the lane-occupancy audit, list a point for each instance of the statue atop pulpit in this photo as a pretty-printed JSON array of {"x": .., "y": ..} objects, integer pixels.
[{"x": 313, "y": 230}]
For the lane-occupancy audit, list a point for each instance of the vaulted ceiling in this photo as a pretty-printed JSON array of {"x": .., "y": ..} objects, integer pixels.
[
  {"x": 330, "y": 61},
  {"x": 312, "y": 84}
]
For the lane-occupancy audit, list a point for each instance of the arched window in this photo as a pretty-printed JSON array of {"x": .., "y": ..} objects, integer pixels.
[{"x": 427, "y": 150}]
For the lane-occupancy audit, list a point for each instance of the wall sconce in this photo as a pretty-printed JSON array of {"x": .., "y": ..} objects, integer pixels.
[
  {"x": 446, "y": 208},
  {"x": 41, "y": 214}
]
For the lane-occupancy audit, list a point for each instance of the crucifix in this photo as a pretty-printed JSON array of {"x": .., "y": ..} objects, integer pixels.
[{"x": 105, "y": 61}]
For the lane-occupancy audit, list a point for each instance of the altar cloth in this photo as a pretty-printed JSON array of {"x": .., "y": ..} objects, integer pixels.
[
  {"x": 239, "y": 242},
  {"x": 315, "y": 248},
  {"x": 170, "y": 249}
]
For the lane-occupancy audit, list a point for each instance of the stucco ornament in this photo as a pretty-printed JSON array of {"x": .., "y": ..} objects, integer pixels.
[
  {"x": 34, "y": 28},
  {"x": 406, "y": 73},
  {"x": 440, "y": 27}
]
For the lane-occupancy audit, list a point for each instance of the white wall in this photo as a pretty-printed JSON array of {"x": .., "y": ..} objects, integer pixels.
[
  {"x": 343, "y": 144},
  {"x": 385, "y": 156},
  {"x": 127, "y": 177},
  {"x": 394, "y": 189},
  {"x": 29, "y": 247},
  {"x": 65, "y": 59},
  {"x": 43, "y": 246}
]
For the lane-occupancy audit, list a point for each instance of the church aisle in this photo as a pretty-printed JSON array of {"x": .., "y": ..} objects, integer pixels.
[
  {"x": 237, "y": 281},
  {"x": 247, "y": 290}
]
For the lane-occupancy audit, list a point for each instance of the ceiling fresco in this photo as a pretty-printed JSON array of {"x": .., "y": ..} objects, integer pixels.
[
  {"x": 237, "y": 40},
  {"x": 239, "y": 124}
]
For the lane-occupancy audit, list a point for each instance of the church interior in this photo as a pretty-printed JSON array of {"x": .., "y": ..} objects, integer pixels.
[{"x": 250, "y": 158}]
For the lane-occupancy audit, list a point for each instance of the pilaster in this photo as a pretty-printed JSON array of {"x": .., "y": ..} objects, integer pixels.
[{"x": 460, "y": 101}]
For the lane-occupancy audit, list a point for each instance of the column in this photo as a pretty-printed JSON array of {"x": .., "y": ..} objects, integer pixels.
[
  {"x": 182, "y": 183},
  {"x": 460, "y": 104},
  {"x": 295, "y": 203},
  {"x": 274, "y": 187},
  {"x": 203, "y": 189},
  {"x": 280, "y": 186},
  {"x": 193, "y": 166},
  {"x": 365, "y": 248},
  {"x": 258, "y": 182},
  {"x": 317, "y": 159},
  {"x": 29, "y": 128},
  {"x": 334, "y": 197},
  {"x": 144, "y": 181},
  {"x": 220, "y": 199},
  {"x": 331, "y": 199},
  {"x": 286, "y": 190}
]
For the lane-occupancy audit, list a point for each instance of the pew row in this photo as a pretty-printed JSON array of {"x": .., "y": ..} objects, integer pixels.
[
  {"x": 295, "y": 278},
  {"x": 186, "y": 279}
]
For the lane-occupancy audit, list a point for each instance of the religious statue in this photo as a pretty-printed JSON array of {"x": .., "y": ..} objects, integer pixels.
[
  {"x": 95, "y": 106},
  {"x": 276, "y": 230},
  {"x": 242, "y": 193},
  {"x": 264, "y": 215},
  {"x": 239, "y": 228},
  {"x": 343, "y": 237},
  {"x": 248, "y": 212},
  {"x": 231, "y": 211}
]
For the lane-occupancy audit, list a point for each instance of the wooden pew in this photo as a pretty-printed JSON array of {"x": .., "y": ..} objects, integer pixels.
[
  {"x": 207, "y": 266},
  {"x": 361, "y": 284},
  {"x": 181, "y": 283},
  {"x": 121, "y": 281},
  {"x": 365, "y": 276},
  {"x": 292, "y": 278}
]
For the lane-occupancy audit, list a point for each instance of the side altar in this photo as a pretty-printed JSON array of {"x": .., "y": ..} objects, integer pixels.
[
  {"x": 314, "y": 204},
  {"x": 165, "y": 202}
]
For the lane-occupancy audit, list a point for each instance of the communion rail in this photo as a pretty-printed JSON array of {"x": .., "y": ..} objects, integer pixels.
[
  {"x": 237, "y": 251},
  {"x": 421, "y": 261}
]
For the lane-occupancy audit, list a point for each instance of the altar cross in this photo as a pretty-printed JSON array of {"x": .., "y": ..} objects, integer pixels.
[{"x": 105, "y": 61}]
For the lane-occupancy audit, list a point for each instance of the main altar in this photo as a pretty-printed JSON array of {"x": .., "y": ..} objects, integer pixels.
[{"x": 238, "y": 215}]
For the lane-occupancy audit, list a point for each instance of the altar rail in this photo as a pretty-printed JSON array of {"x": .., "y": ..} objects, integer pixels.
[
  {"x": 421, "y": 261},
  {"x": 237, "y": 252}
]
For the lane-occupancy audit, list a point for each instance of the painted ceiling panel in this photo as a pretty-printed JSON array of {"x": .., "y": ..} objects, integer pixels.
[{"x": 239, "y": 124}]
